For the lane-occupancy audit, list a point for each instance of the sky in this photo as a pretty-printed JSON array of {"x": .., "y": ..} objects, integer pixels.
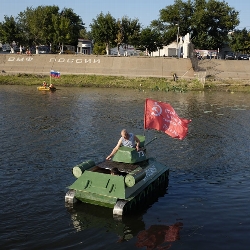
[{"x": 144, "y": 10}]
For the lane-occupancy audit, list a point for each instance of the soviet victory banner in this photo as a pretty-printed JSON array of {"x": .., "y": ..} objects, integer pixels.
[{"x": 161, "y": 116}]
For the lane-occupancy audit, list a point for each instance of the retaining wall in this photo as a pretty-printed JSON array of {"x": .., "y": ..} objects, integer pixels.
[
  {"x": 97, "y": 65},
  {"x": 122, "y": 66},
  {"x": 226, "y": 69}
]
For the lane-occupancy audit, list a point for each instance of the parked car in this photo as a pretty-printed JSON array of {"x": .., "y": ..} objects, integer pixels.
[
  {"x": 6, "y": 48},
  {"x": 230, "y": 56},
  {"x": 43, "y": 49},
  {"x": 17, "y": 50},
  {"x": 243, "y": 57}
]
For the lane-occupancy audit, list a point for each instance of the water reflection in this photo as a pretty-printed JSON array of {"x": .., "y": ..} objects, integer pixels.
[
  {"x": 85, "y": 216},
  {"x": 159, "y": 236}
]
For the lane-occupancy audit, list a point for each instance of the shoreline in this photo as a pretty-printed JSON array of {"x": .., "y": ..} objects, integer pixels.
[
  {"x": 143, "y": 73},
  {"x": 140, "y": 83}
]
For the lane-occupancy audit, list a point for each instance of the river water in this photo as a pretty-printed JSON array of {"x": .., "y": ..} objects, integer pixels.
[{"x": 43, "y": 135}]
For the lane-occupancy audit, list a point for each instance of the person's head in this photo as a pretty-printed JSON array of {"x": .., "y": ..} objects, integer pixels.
[
  {"x": 114, "y": 171},
  {"x": 124, "y": 133}
]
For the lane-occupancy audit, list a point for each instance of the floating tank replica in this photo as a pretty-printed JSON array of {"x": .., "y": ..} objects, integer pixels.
[{"x": 140, "y": 178}]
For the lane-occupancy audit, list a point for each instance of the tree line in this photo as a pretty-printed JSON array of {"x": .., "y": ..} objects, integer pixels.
[{"x": 210, "y": 23}]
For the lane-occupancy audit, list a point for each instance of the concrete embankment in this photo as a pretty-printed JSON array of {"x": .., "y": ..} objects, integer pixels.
[
  {"x": 238, "y": 70},
  {"x": 97, "y": 65},
  {"x": 124, "y": 66}
]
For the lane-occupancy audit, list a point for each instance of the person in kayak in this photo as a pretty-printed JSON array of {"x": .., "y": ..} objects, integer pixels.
[
  {"x": 127, "y": 140},
  {"x": 52, "y": 87}
]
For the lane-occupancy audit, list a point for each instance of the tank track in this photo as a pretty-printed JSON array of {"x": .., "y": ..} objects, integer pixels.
[
  {"x": 70, "y": 197},
  {"x": 124, "y": 207}
]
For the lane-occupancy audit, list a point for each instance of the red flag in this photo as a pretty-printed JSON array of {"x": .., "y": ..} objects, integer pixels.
[{"x": 161, "y": 116}]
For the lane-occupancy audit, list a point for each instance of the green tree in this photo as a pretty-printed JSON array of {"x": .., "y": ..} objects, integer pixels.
[
  {"x": 178, "y": 14},
  {"x": 37, "y": 25},
  {"x": 119, "y": 36},
  {"x": 84, "y": 34},
  {"x": 104, "y": 30},
  {"x": 62, "y": 32},
  {"x": 211, "y": 23},
  {"x": 150, "y": 40},
  {"x": 239, "y": 41},
  {"x": 99, "y": 49},
  {"x": 47, "y": 25},
  {"x": 208, "y": 22},
  {"x": 10, "y": 31},
  {"x": 130, "y": 31},
  {"x": 75, "y": 24}
]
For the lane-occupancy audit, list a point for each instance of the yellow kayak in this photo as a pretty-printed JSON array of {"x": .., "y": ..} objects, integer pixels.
[{"x": 46, "y": 88}]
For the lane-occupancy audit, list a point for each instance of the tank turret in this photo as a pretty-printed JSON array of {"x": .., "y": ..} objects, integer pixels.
[{"x": 131, "y": 155}]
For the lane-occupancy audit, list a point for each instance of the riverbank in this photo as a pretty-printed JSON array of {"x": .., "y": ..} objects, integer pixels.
[
  {"x": 144, "y": 73},
  {"x": 141, "y": 83}
]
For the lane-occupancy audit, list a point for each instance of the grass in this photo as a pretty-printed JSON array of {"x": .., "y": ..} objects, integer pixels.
[{"x": 147, "y": 83}]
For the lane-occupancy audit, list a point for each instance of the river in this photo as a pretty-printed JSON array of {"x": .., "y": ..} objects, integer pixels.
[{"x": 44, "y": 135}]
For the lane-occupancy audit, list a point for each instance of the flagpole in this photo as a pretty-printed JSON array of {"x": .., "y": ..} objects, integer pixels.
[{"x": 145, "y": 109}]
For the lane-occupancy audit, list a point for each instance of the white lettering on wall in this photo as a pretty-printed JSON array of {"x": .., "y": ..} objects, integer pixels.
[
  {"x": 78, "y": 60},
  {"x": 61, "y": 60},
  {"x": 70, "y": 60},
  {"x": 29, "y": 59},
  {"x": 87, "y": 60},
  {"x": 20, "y": 59},
  {"x": 53, "y": 60}
]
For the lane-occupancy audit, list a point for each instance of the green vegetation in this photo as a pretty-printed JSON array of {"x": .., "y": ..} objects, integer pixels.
[
  {"x": 142, "y": 84},
  {"x": 227, "y": 85},
  {"x": 239, "y": 40},
  {"x": 208, "y": 22},
  {"x": 45, "y": 25}
]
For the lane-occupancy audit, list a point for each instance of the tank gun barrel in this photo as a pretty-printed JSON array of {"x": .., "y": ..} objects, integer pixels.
[{"x": 151, "y": 141}]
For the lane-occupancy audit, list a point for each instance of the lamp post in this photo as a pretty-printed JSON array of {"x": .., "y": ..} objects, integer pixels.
[{"x": 177, "y": 44}]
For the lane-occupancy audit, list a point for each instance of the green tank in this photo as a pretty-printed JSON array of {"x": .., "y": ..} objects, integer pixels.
[{"x": 139, "y": 179}]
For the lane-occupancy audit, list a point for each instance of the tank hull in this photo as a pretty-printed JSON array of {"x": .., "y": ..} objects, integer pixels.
[{"x": 136, "y": 184}]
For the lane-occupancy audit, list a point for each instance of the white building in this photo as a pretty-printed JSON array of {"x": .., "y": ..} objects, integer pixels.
[
  {"x": 180, "y": 49},
  {"x": 84, "y": 46},
  {"x": 169, "y": 50}
]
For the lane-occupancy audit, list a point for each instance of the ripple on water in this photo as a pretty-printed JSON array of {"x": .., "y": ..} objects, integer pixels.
[{"x": 44, "y": 135}]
